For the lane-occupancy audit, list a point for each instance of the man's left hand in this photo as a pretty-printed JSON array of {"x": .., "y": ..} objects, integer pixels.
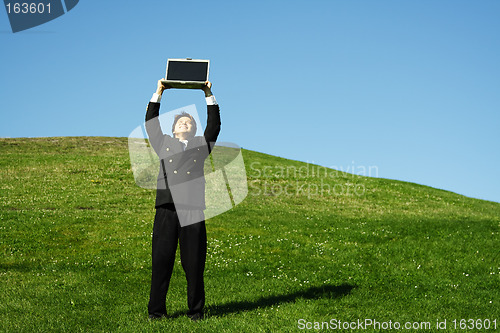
[{"x": 207, "y": 89}]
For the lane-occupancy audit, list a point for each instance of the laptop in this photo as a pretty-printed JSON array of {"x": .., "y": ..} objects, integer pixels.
[{"x": 186, "y": 73}]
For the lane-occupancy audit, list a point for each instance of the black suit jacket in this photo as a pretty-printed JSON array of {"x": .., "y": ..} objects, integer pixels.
[{"x": 181, "y": 176}]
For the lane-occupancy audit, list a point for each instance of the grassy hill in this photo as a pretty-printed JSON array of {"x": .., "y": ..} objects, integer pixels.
[{"x": 75, "y": 248}]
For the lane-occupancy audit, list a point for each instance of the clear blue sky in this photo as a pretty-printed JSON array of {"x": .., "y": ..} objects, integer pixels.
[{"x": 411, "y": 87}]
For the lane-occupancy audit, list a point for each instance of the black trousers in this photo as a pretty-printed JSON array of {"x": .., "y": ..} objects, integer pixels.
[{"x": 193, "y": 246}]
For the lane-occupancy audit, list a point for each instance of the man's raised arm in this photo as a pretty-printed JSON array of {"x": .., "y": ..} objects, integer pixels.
[
  {"x": 213, "y": 116},
  {"x": 153, "y": 127}
]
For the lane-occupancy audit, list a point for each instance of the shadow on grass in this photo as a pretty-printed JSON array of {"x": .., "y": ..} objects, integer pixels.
[{"x": 325, "y": 291}]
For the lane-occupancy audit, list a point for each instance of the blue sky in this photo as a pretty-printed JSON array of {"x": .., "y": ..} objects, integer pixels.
[{"x": 411, "y": 87}]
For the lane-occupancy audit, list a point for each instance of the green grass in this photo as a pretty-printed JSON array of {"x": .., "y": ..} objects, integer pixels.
[{"x": 75, "y": 247}]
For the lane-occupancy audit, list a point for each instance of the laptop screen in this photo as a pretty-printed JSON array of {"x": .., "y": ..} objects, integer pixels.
[{"x": 187, "y": 71}]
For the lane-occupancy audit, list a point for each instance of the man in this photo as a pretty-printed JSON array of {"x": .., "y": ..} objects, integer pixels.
[{"x": 180, "y": 202}]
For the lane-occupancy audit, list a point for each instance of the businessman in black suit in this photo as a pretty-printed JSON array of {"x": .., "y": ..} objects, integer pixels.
[{"x": 180, "y": 201}]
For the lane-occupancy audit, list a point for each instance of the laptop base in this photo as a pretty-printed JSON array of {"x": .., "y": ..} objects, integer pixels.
[{"x": 183, "y": 85}]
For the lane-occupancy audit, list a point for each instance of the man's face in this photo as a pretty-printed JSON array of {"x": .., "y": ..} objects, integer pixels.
[{"x": 183, "y": 125}]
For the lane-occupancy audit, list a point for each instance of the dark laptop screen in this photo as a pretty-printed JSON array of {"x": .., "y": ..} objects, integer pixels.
[{"x": 187, "y": 71}]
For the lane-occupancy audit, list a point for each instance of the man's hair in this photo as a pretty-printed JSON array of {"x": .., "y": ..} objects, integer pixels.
[{"x": 185, "y": 114}]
